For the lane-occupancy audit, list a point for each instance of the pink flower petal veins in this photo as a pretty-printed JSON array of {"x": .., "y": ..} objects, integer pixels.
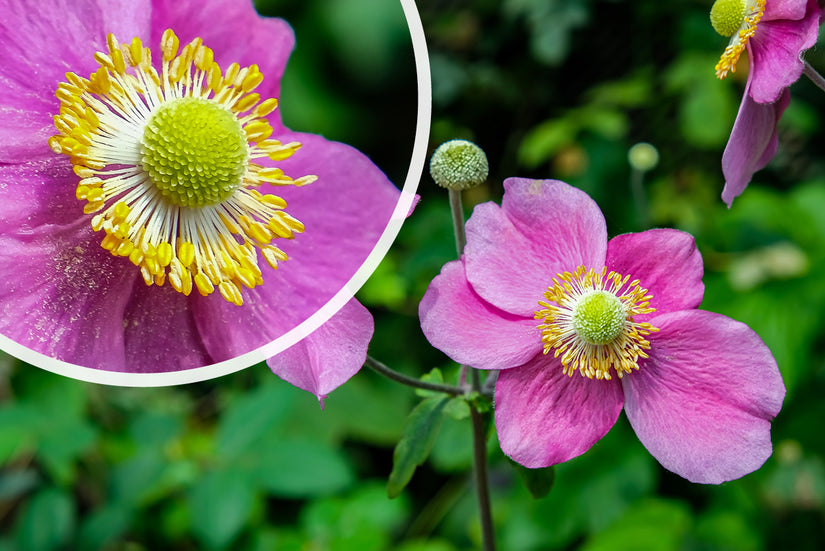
[
  {"x": 471, "y": 331},
  {"x": 702, "y": 403},
  {"x": 667, "y": 264},
  {"x": 544, "y": 227},
  {"x": 544, "y": 417},
  {"x": 752, "y": 144}
]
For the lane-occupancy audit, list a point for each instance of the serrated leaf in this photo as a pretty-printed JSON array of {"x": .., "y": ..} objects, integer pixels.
[
  {"x": 538, "y": 481},
  {"x": 416, "y": 442}
]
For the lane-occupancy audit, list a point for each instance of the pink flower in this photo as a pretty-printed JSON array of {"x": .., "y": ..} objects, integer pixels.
[
  {"x": 775, "y": 33},
  {"x": 582, "y": 327},
  {"x": 133, "y": 309}
]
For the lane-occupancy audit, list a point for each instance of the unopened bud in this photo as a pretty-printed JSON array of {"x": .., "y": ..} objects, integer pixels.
[
  {"x": 643, "y": 157},
  {"x": 458, "y": 165}
]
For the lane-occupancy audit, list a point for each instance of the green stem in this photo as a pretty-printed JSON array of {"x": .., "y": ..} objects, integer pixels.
[
  {"x": 479, "y": 437},
  {"x": 480, "y": 472},
  {"x": 377, "y": 366}
]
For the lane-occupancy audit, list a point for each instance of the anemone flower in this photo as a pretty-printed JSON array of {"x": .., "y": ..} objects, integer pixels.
[
  {"x": 582, "y": 327},
  {"x": 150, "y": 190},
  {"x": 775, "y": 34}
]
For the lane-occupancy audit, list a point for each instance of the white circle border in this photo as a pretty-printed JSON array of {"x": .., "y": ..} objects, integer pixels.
[{"x": 347, "y": 292}]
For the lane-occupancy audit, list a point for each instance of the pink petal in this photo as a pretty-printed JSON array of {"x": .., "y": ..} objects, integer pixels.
[
  {"x": 544, "y": 417},
  {"x": 345, "y": 212},
  {"x": 702, "y": 403},
  {"x": 63, "y": 295},
  {"x": 753, "y": 142},
  {"x": 543, "y": 227},
  {"x": 775, "y": 52},
  {"x": 236, "y": 34},
  {"x": 666, "y": 262},
  {"x": 471, "y": 331},
  {"x": 327, "y": 358},
  {"x": 785, "y": 9}
]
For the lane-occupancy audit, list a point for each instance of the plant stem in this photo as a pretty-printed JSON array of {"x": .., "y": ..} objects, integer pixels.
[
  {"x": 479, "y": 436},
  {"x": 480, "y": 472},
  {"x": 814, "y": 76},
  {"x": 458, "y": 221},
  {"x": 377, "y": 366}
]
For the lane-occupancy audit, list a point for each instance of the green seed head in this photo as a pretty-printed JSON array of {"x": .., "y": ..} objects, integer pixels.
[
  {"x": 643, "y": 157},
  {"x": 726, "y": 16},
  {"x": 599, "y": 317},
  {"x": 459, "y": 164},
  {"x": 195, "y": 152}
]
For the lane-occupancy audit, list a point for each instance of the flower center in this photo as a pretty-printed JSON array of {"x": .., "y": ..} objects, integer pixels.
[
  {"x": 599, "y": 317},
  {"x": 194, "y": 151},
  {"x": 736, "y": 19},
  {"x": 588, "y": 320},
  {"x": 165, "y": 160},
  {"x": 727, "y": 15}
]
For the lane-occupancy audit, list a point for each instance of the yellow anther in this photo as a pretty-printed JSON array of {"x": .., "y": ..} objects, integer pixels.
[
  {"x": 149, "y": 250},
  {"x": 125, "y": 248},
  {"x": 259, "y": 233},
  {"x": 266, "y": 107},
  {"x": 99, "y": 82},
  {"x": 169, "y": 45},
  {"x": 165, "y": 253},
  {"x": 121, "y": 210},
  {"x": 273, "y": 201},
  {"x": 147, "y": 275},
  {"x": 247, "y": 102},
  {"x": 203, "y": 284},
  {"x": 273, "y": 255},
  {"x": 230, "y": 292},
  {"x": 257, "y": 130},
  {"x": 136, "y": 257},
  {"x": 231, "y": 73},
  {"x": 135, "y": 52},
  {"x": 204, "y": 58},
  {"x": 112, "y": 42},
  {"x": 186, "y": 253},
  {"x": 118, "y": 62}
]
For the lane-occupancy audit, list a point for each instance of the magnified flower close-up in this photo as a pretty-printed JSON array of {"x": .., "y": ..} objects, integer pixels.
[
  {"x": 155, "y": 213},
  {"x": 582, "y": 327}
]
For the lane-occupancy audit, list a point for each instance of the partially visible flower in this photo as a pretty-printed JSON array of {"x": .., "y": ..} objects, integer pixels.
[
  {"x": 583, "y": 327},
  {"x": 775, "y": 33},
  {"x": 173, "y": 140}
]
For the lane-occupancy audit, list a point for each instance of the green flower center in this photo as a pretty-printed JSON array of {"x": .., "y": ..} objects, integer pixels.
[
  {"x": 195, "y": 151},
  {"x": 599, "y": 317},
  {"x": 727, "y": 16}
]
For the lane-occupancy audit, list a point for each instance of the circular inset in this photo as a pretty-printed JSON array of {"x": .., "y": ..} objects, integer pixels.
[{"x": 71, "y": 306}]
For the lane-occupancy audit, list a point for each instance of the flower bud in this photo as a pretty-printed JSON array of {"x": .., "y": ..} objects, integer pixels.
[
  {"x": 458, "y": 165},
  {"x": 643, "y": 157}
]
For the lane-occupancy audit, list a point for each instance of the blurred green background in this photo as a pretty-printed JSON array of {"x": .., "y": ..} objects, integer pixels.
[{"x": 550, "y": 89}]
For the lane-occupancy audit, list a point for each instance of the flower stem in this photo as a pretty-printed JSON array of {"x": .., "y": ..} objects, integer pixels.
[
  {"x": 458, "y": 221},
  {"x": 377, "y": 366},
  {"x": 479, "y": 437},
  {"x": 480, "y": 471},
  {"x": 814, "y": 76}
]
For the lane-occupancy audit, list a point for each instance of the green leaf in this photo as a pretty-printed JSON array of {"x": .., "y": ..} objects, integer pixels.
[
  {"x": 250, "y": 418},
  {"x": 48, "y": 521},
  {"x": 415, "y": 444},
  {"x": 435, "y": 377},
  {"x": 220, "y": 504},
  {"x": 538, "y": 481},
  {"x": 298, "y": 468},
  {"x": 104, "y": 526},
  {"x": 653, "y": 525},
  {"x": 458, "y": 408}
]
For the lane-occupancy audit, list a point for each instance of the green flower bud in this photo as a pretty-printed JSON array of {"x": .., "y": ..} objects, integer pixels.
[{"x": 458, "y": 165}]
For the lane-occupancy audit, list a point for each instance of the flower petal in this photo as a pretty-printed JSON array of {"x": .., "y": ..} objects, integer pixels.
[
  {"x": 63, "y": 295},
  {"x": 543, "y": 227},
  {"x": 242, "y": 36},
  {"x": 702, "y": 403},
  {"x": 666, "y": 262},
  {"x": 327, "y": 358},
  {"x": 345, "y": 212},
  {"x": 544, "y": 417},
  {"x": 775, "y": 52},
  {"x": 35, "y": 60},
  {"x": 752, "y": 144},
  {"x": 471, "y": 331}
]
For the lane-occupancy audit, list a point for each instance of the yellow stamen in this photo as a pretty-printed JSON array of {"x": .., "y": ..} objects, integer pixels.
[
  {"x": 174, "y": 197},
  {"x": 588, "y": 320},
  {"x": 753, "y": 11}
]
